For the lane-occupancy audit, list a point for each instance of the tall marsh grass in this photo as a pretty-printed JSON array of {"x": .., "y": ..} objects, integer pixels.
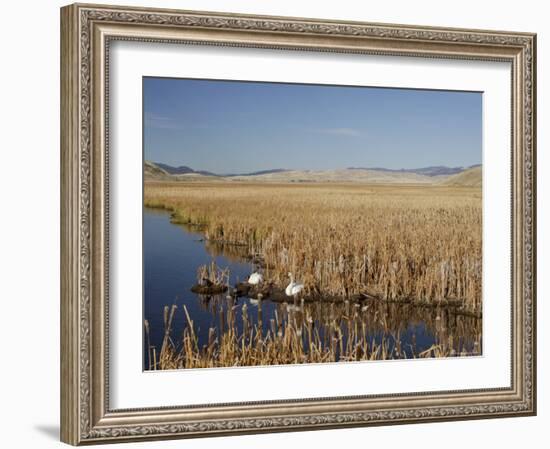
[{"x": 422, "y": 243}]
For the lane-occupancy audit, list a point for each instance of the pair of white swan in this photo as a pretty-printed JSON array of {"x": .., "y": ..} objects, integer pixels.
[{"x": 292, "y": 289}]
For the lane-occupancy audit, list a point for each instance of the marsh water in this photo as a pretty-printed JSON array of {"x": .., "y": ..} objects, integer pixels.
[{"x": 172, "y": 253}]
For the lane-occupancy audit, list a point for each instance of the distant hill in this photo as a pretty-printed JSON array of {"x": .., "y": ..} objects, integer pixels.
[
  {"x": 471, "y": 177},
  {"x": 185, "y": 170},
  {"x": 340, "y": 175},
  {"x": 261, "y": 172},
  {"x": 438, "y": 170},
  {"x": 425, "y": 175},
  {"x": 157, "y": 172},
  {"x": 153, "y": 171},
  {"x": 182, "y": 170}
]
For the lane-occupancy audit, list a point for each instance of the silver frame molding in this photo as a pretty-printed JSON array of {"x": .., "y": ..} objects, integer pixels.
[{"x": 86, "y": 33}]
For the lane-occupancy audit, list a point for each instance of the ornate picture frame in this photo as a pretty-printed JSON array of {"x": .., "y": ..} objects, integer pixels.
[{"x": 86, "y": 34}]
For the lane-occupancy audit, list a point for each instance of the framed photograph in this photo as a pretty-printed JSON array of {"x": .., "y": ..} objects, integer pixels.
[{"x": 280, "y": 224}]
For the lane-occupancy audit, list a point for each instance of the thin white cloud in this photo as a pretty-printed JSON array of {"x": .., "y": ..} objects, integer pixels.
[
  {"x": 162, "y": 122},
  {"x": 153, "y": 116},
  {"x": 153, "y": 120},
  {"x": 347, "y": 132}
]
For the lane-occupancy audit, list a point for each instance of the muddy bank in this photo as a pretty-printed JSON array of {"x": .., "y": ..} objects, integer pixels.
[
  {"x": 270, "y": 292},
  {"x": 209, "y": 289}
]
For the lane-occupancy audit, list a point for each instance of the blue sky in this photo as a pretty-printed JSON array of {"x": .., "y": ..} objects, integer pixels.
[{"x": 234, "y": 127}]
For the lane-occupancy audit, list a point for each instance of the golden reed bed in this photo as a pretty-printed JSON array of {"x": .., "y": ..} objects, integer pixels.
[{"x": 421, "y": 243}]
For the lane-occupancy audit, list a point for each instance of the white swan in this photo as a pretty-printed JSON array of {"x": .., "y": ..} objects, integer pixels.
[
  {"x": 294, "y": 288},
  {"x": 255, "y": 278}
]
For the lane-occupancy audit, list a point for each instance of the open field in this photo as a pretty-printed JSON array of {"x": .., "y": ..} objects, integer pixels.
[{"x": 416, "y": 242}]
